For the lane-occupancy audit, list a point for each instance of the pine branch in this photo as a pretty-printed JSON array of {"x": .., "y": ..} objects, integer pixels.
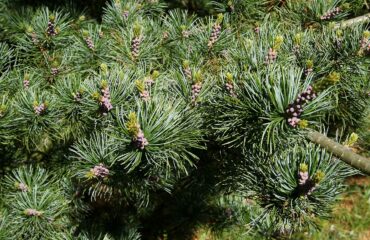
[
  {"x": 345, "y": 154},
  {"x": 360, "y": 19}
]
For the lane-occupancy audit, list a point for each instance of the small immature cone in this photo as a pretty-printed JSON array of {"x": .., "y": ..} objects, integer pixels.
[
  {"x": 185, "y": 33},
  {"x": 331, "y": 13},
  {"x": 339, "y": 38},
  {"x": 151, "y": 78},
  {"x": 105, "y": 102},
  {"x": 135, "y": 47},
  {"x": 195, "y": 90},
  {"x": 230, "y": 88},
  {"x": 230, "y": 85},
  {"x": 149, "y": 81},
  {"x": 100, "y": 171},
  {"x": 308, "y": 71},
  {"x": 137, "y": 135},
  {"x": 309, "y": 67},
  {"x": 26, "y": 81},
  {"x": 125, "y": 14},
  {"x": 294, "y": 110},
  {"x": 90, "y": 43},
  {"x": 22, "y": 187},
  {"x": 141, "y": 87},
  {"x": 34, "y": 38},
  {"x": 296, "y": 49},
  {"x": 145, "y": 95},
  {"x": 303, "y": 177},
  {"x": 196, "y": 87},
  {"x": 256, "y": 30},
  {"x": 188, "y": 73},
  {"x": 165, "y": 35},
  {"x": 306, "y": 184},
  {"x": 216, "y": 31},
  {"x": 54, "y": 71},
  {"x": 339, "y": 43},
  {"x": 88, "y": 40},
  {"x": 39, "y": 109},
  {"x": 215, "y": 34},
  {"x": 297, "y": 43},
  {"x": 187, "y": 70},
  {"x": 303, "y": 174},
  {"x": 77, "y": 97},
  {"x": 51, "y": 27},
  {"x": 271, "y": 56},
  {"x": 140, "y": 140},
  {"x": 365, "y": 41},
  {"x": 32, "y": 212},
  {"x": 136, "y": 41}
]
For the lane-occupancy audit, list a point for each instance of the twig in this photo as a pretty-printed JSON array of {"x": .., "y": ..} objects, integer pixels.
[
  {"x": 345, "y": 154},
  {"x": 360, "y": 19}
]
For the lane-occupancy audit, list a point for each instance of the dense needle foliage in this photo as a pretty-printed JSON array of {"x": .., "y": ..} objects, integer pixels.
[{"x": 154, "y": 120}]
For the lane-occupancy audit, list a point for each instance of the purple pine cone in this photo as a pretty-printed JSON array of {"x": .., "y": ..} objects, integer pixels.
[
  {"x": 303, "y": 177},
  {"x": 135, "y": 47},
  {"x": 149, "y": 81},
  {"x": 77, "y": 97},
  {"x": 271, "y": 56},
  {"x": 230, "y": 88},
  {"x": 165, "y": 35},
  {"x": 195, "y": 90},
  {"x": 34, "y": 38},
  {"x": 145, "y": 95},
  {"x": 331, "y": 14},
  {"x": 294, "y": 110},
  {"x": 364, "y": 43},
  {"x": 39, "y": 109},
  {"x": 188, "y": 73},
  {"x": 256, "y": 30},
  {"x": 90, "y": 43},
  {"x": 185, "y": 33},
  {"x": 215, "y": 34},
  {"x": 54, "y": 71},
  {"x": 296, "y": 49},
  {"x": 308, "y": 71},
  {"x": 51, "y": 29},
  {"x": 125, "y": 14},
  {"x": 140, "y": 140},
  {"x": 32, "y": 212},
  {"x": 100, "y": 171},
  {"x": 339, "y": 43},
  {"x": 23, "y": 187},
  {"x": 26, "y": 83},
  {"x": 105, "y": 102}
]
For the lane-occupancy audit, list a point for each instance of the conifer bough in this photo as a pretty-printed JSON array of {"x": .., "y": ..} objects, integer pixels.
[
  {"x": 342, "y": 152},
  {"x": 161, "y": 121},
  {"x": 356, "y": 20}
]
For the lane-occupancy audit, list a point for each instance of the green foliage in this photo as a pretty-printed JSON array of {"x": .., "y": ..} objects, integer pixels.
[
  {"x": 37, "y": 207},
  {"x": 289, "y": 204},
  {"x": 263, "y": 97},
  {"x": 156, "y": 121}
]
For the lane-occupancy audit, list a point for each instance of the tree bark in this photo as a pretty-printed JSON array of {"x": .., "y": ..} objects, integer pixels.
[{"x": 344, "y": 153}]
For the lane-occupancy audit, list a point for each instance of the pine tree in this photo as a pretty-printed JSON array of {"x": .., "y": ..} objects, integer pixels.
[{"x": 156, "y": 121}]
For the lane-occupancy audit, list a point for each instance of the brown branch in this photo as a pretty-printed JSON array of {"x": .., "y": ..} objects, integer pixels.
[
  {"x": 360, "y": 19},
  {"x": 344, "y": 153}
]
